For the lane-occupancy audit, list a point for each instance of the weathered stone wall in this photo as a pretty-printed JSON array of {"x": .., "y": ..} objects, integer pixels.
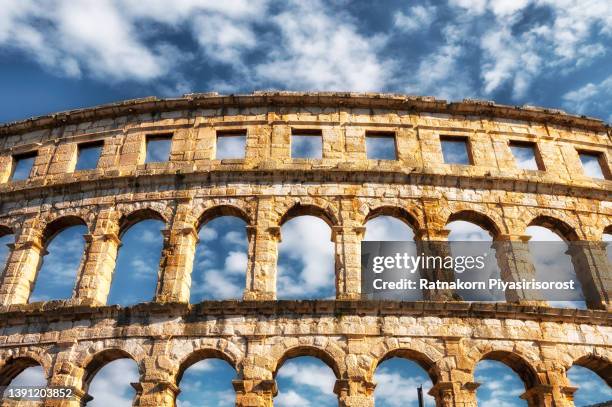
[{"x": 71, "y": 339}]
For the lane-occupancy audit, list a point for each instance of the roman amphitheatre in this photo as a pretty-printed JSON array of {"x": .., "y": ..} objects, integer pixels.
[{"x": 73, "y": 339}]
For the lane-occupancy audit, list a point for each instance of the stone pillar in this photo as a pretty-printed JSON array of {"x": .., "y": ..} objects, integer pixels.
[
  {"x": 65, "y": 373},
  {"x": 594, "y": 272},
  {"x": 515, "y": 263},
  {"x": 155, "y": 393},
  {"x": 22, "y": 265},
  {"x": 455, "y": 394},
  {"x": 355, "y": 392},
  {"x": 255, "y": 392},
  {"x": 434, "y": 243},
  {"x": 347, "y": 244},
  {"x": 540, "y": 395},
  {"x": 180, "y": 244},
  {"x": 445, "y": 394},
  {"x": 262, "y": 254},
  {"x": 94, "y": 284}
]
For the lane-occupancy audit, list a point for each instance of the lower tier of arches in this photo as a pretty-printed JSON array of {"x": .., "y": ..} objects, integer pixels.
[{"x": 352, "y": 339}]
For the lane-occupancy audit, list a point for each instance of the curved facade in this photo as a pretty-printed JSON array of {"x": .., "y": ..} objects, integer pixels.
[{"x": 72, "y": 339}]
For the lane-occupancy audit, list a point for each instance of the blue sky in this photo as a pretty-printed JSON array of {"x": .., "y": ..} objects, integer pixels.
[{"x": 60, "y": 55}]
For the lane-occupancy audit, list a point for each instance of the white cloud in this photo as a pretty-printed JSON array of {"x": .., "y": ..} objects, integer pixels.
[
  {"x": 395, "y": 390},
  {"x": 208, "y": 233},
  {"x": 306, "y": 240},
  {"x": 318, "y": 50},
  {"x": 467, "y": 232},
  {"x": 217, "y": 284},
  {"x": 316, "y": 376},
  {"x": 111, "y": 385},
  {"x": 31, "y": 376},
  {"x": 591, "y": 96},
  {"x": 235, "y": 238},
  {"x": 236, "y": 262},
  {"x": 388, "y": 228},
  {"x": 143, "y": 268},
  {"x": 418, "y": 18},
  {"x": 291, "y": 398}
]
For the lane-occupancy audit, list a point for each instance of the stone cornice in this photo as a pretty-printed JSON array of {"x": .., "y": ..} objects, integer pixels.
[
  {"x": 58, "y": 311},
  {"x": 38, "y": 189},
  {"x": 412, "y": 104}
]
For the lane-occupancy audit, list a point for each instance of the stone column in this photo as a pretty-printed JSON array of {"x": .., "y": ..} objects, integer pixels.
[
  {"x": 445, "y": 394},
  {"x": 22, "y": 265},
  {"x": 594, "y": 272},
  {"x": 65, "y": 373},
  {"x": 515, "y": 263},
  {"x": 155, "y": 393},
  {"x": 255, "y": 392},
  {"x": 347, "y": 244},
  {"x": 94, "y": 284},
  {"x": 454, "y": 379},
  {"x": 262, "y": 254},
  {"x": 540, "y": 395},
  {"x": 180, "y": 244},
  {"x": 355, "y": 392},
  {"x": 434, "y": 243}
]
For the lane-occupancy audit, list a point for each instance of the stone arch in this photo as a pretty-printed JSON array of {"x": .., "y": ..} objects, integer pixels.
[
  {"x": 561, "y": 227},
  {"x": 478, "y": 218},
  {"x": 600, "y": 365},
  {"x": 128, "y": 220},
  {"x": 217, "y": 211},
  {"x": 398, "y": 212},
  {"x": 5, "y": 230},
  {"x": 202, "y": 354},
  {"x": 184, "y": 352},
  {"x": 16, "y": 362},
  {"x": 516, "y": 362},
  {"x": 330, "y": 354},
  {"x": 100, "y": 359},
  {"x": 421, "y": 359},
  {"x": 55, "y": 227},
  {"x": 309, "y": 350},
  {"x": 299, "y": 209}
]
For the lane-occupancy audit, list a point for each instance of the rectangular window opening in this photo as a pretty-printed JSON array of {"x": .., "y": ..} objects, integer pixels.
[
  {"x": 231, "y": 145},
  {"x": 455, "y": 150},
  {"x": 88, "y": 155},
  {"x": 306, "y": 144},
  {"x": 526, "y": 155},
  {"x": 158, "y": 148},
  {"x": 380, "y": 146},
  {"x": 594, "y": 165},
  {"x": 22, "y": 166}
]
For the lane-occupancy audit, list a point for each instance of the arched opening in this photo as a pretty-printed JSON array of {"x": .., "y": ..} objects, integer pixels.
[
  {"x": 471, "y": 236},
  {"x": 205, "y": 379},
  {"x": 62, "y": 258},
  {"x": 499, "y": 384},
  {"x": 593, "y": 378},
  {"x": 7, "y": 239},
  {"x": 389, "y": 224},
  {"x": 108, "y": 379},
  {"x": 220, "y": 263},
  {"x": 397, "y": 381},
  {"x": 137, "y": 268},
  {"x": 548, "y": 247},
  {"x": 305, "y": 257},
  {"x": 20, "y": 372},
  {"x": 607, "y": 238},
  {"x": 306, "y": 376}
]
